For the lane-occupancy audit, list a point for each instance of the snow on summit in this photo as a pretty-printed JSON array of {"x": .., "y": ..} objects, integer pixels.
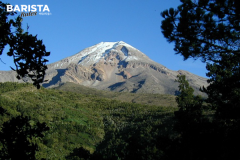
[{"x": 94, "y": 54}]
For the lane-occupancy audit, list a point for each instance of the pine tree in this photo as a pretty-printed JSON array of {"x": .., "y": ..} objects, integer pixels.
[
  {"x": 210, "y": 30},
  {"x": 190, "y": 106}
]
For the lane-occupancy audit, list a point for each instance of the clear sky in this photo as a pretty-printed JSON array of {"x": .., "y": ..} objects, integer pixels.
[{"x": 77, "y": 24}]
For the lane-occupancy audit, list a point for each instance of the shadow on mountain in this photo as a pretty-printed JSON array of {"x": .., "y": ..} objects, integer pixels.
[
  {"x": 140, "y": 84},
  {"x": 114, "y": 86},
  {"x": 122, "y": 63},
  {"x": 56, "y": 78}
]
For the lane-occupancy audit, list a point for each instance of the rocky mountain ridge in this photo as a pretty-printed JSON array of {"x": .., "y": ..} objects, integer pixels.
[{"x": 115, "y": 66}]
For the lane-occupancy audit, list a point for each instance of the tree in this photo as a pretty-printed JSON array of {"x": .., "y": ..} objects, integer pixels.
[
  {"x": 210, "y": 30},
  {"x": 206, "y": 29},
  {"x": 198, "y": 137},
  {"x": 190, "y": 107},
  {"x": 27, "y": 51},
  {"x": 19, "y": 138}
]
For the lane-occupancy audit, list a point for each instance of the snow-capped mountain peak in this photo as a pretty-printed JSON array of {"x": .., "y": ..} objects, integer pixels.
[
  {"x": 115, "y": 66},
  {"x": 102, "y": 52}
]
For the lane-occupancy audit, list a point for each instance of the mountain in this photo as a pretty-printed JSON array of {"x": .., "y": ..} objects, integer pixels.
[{"x": 115, "y": 66}]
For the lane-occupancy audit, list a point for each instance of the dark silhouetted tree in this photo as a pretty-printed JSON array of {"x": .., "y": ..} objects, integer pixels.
[
  {"x": 19, "y": 138},
  {"x": 190, "y": 106},
  {"x": 210, "y": 30},
  {"x": 27, "y": 51}
]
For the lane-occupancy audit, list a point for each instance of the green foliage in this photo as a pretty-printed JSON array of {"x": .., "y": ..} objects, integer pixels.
[
  {"x": 190, "y": 106},
  {"x": 134, "y": 131},
  {"x": 10, "y": 86},
  {"x": 83, "y": 126},
  {"x": 149, "y": 99},
  {"x": 203, "y": 29},
  {"x": 186, "y": 99},
  {"x": 209, "y": 30},
  {"x": 20, "y": 137},
  {"x": 224, "y": 91},
  {"x": 146, "y": 138},
  {"x": 72, "y": 124}
]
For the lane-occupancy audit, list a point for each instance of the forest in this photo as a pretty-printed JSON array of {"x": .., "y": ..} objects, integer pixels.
[{"x": 76, "y": 123}]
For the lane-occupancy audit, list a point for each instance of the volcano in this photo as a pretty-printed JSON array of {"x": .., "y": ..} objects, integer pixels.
[{"x": 115, "y": 66}]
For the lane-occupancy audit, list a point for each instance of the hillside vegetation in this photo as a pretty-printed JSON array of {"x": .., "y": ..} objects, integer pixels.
[
  {"x": 147, "y": 98},
  {"x": 86, "y": 123}
]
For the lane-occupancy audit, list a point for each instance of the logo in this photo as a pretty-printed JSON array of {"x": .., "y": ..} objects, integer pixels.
[{"x": 29, "y": 10}]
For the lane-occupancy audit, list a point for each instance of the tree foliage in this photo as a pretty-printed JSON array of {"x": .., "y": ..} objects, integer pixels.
[
  {"x": 206, "y": 29},
  {"x": 82, "y": 124},
  {"x": 210, "y": 30},
  {"x": 19, "y": 138},
  {"x": 186, "y": 99},
  {"x": 27, "y": 51},
  {"x": 190, "y": 106}
]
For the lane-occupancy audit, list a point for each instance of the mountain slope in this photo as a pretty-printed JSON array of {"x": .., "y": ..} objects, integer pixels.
[
  {"x": 117, "y": 66},
  {"x": 140, "y": 98}
]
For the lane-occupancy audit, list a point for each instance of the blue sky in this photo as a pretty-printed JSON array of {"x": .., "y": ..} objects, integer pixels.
[{"x": 77, "y": 24}]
